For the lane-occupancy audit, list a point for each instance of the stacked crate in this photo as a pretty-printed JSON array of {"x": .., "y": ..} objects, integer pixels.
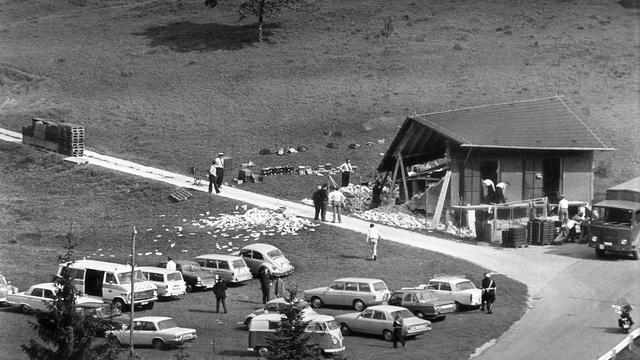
[
  {"x": 514, "y": 237},
  {"x": 540, "y": 232},
  {"x": 71, "y": 139}
]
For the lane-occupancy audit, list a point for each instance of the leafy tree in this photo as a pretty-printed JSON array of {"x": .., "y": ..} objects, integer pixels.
[
  {"x": 261, "y": 9},
  {"x": 64, "y": 332}
]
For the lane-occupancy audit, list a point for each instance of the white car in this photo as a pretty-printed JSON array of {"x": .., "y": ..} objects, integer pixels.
[
  {"x": 156, "y": 331},
  {"x": 378, "y": 320},
  {"x": 232, "y": 269},
  {"x": 170, "y": 283},
  {"x": 456, "y": 288},
  {"x": 38, "y": 296},
  {"x": 6, "y": 289},
  {"x": 277, "y": 306},
  {"x": 354, "y": 292},
  {"x": 264, "y": 256}
]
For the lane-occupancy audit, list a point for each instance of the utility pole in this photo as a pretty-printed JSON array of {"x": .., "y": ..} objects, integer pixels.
[{"x": 133, "y": 264}]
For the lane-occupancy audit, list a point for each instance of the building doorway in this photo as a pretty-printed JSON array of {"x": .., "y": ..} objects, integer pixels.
[{"x": 551, "y": 179}]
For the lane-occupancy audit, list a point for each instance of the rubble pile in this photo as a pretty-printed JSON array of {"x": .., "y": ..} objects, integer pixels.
[
  {"x": 256, "y": 219},
  {"x": 357, "y": 197},
  {"x": 394, "y": 215}
]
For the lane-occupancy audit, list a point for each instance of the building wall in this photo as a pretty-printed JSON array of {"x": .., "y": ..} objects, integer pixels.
[{"x": 577, "y": 179}]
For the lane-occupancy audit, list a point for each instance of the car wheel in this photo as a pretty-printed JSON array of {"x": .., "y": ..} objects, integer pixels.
[
  {"x": 113, "y": 341},
  {"x": 345, "y": 329},
  {"x": 118, "y": 304},
  {"x": 263, "y": 351},
  {"x": 316, "y": 302},
  {"x": 459, "y": 306},
  {"x": 25, "y": 309},
  {"x": 600, "y": 253},
  {"x": 149, "y": 306},
  {"x": 358, "y": 305},
  {"x": 189, "y": 288},
  {"x": 388, "y": 335},
  {"x": 158, "y": 344}
]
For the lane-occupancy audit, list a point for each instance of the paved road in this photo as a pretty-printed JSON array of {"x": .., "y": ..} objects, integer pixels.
[{"x": 571, "y": 292}]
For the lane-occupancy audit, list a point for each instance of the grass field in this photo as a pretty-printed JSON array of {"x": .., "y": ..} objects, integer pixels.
[{"x": 103, "y": 207}]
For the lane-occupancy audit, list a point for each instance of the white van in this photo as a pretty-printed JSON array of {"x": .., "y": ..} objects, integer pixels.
[
  {"x": 170, "y": 283},
  {"x": 232, "y": 269},
  {"x": 324, "y": 331},
  {"x": 111, "y": 282}
]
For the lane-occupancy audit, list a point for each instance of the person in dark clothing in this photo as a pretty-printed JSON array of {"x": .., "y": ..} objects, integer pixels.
[
  {"x": 213, "y": 180},
  {"x": 488, "y": 293},
  {"x": 220, "y": 291},
  {"x": 376, "y": 193},
  {"x": 397, "y": 331},
  {"x": 265, "y": 285},
  {"x": 317, "y": 202},
  {"x": 323, "y": 198}
]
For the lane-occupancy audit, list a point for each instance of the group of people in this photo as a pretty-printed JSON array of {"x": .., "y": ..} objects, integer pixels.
[
  {"x": 494, "y": 193},
  {"x": 322, "y": 198},
  {"x": 266, "y": 281}
]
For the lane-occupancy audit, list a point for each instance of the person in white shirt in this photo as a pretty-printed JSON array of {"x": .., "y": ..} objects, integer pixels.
[
  {"x": 490, "y": 193},
  {"x": 171, "y": 265},
  {"x": 372, "y": 239},
  {"x": 218, "y": 163},
  {"x": 346, "y": 170},
  {"x": 501, "y": 189},
  {"x": 336, "y": 198},
  {"x": 563, "y": 210}
]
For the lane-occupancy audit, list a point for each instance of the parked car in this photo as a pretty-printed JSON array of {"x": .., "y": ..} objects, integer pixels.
[
  {"x": 378, "y": 320},
  {"x": 6, "y": 288},
  {"x": 170, "y": 283},
  {"x": 356, "y": 292},
  {"x": 193, "y": 274},
  {"x": 323, "y": 331},
  {"x": 259, "y": 256},
  {"x": 232, "y": 269},
  {"x": 277, "y": 306},
  {"x": 157, "y": 331},
  {"x": 107, "y": 316},
  {"x": 422, "y": 303},
  {"x": 459, "y": 289},
  {"x": 38, "y": 296}
]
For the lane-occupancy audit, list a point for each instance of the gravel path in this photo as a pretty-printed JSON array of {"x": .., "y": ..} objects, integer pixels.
[{"x": 571, "y": 292}]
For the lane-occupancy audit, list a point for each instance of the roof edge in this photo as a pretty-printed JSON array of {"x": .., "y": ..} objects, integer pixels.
[
  {"x": 536, "y": 148},
  {"x": 485, "y": 106}
]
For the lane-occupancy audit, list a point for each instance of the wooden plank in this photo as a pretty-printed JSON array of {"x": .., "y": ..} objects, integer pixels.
[
  {"x": 440, "y": 205},
  {"x": 404, "y": 178},
  {"x": 393, "y": 179}
]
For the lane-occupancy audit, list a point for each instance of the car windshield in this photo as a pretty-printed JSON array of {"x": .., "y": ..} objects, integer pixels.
[
  {"x": 239, "y": 264},
  {"x": 333, "y": 325},
  {"x": 125, "y": 278},
  {"x": 176, "y": 276},
  {"x": 404, "y": 313},
  {"x": 612, "y": 215},
  {"x": 380, "y": 286},
  {"x": 274, "y": 254},
  {"x": 167, "y": 324},
  {"x": 465, "y": 285}
]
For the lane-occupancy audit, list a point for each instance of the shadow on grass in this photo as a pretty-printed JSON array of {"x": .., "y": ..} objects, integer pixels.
[
  {"x": 187, "y": 36},
  {"x": 238, "y": 353},
  {"x": 202, "y": 311},
  {"x": 353, "y": 257}
]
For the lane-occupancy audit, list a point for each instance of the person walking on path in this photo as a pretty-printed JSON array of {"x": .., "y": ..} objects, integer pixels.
[
  {"x": 346, "y": 170},
  {"x": 213, "y": 179},
  {"x": 279, "y": 290},
  {"x": 336, "y": 197},
  {"x": 325, "y": 202},
  {"x": 318, "y": 200},
  {"x": 397, "y": 331},
  {"x": 488, "y": 293},
  {"x": 265, "y": 285},
  {"x": 218, "y": 163},
  {"x": 220, "y": 291},
  {"x": 563, "y": 210},
  {"x": 171, "y": 265},
  {"x": 372, "y": 239}
]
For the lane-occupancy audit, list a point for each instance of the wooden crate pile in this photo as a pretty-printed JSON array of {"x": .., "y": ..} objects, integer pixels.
[
  {"x": 71, "y": 139},
  {"x": 514, "y": 237},
  {"x": 277, "y": 170},
  {"x": 540, "y": 232}
]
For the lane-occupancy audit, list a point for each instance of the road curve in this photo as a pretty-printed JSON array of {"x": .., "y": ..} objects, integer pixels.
[{"x": 571, "y": 292}]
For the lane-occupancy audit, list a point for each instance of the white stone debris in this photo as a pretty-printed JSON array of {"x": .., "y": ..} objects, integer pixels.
[{"x": 257, "y": 221}]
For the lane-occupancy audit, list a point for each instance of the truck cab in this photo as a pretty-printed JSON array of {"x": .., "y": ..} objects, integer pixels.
[{"x": 615, "y": 223}]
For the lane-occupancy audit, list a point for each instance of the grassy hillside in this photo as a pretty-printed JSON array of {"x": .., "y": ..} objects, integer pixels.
[{"x": 169, "y": 86}]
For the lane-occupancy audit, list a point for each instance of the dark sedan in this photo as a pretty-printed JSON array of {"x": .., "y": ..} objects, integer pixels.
[
  {"x": 424, "y": 304},
  {"x": 194, "y": 275}
]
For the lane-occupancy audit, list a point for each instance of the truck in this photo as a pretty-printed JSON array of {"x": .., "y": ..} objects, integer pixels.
[{"x": 615, "y": 222}]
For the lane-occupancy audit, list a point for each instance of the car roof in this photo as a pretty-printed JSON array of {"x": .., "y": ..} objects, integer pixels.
[
  {"x": 49, "y": 286},
  {"x": 314, "y": 317},
  {"x": 450, "y": 278},
  {"x": 156, "y": 269},
  {"x": 97, "y": 265},
  {"x": 388, "y": 308},
  {"x": 357, "y": 279},
  {"x": 260, "y": 247},
  {"x": 218, "y": 257},
  {"x": 269, "y": 317},
  {"x": 152, "y": 318},
  {"x": 185, "y": 262},
  {"x": 414, "y": 290}
]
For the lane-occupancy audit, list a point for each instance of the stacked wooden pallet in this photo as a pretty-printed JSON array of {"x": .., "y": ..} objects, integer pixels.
[
  {"x": 540, "y": 232},
  {"x": 71, "y": 139},
  {"x": 514, "y": 237}
]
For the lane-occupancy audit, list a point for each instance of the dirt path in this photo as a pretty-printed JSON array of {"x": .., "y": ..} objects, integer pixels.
[{"x": 571, "y": 292}]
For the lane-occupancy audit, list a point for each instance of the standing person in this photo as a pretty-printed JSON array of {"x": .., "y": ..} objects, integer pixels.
[
  {"x": 279, "y": 290},
  {"x": 488, "y": 293},
  {"x": 325, "y": 202},
  {"x": 336, "y": 197},
  {"x": 220, "y": 291},
  {"x": 397, "y": 331},
  {"x": 372, "y": 239},
  {"x": 218, "y": 163},
  {"x": 563, "y": 210},
  {"x": 346, "y": 170},
  {"x": 501, "y": 189},
  {"x": 265, "y": 285},
  {"x": 317, "y": 202},
  {"x": 490, "y": 196},
  {"x": 171, "y": 265},
  {"x": 213, "y": 179}
]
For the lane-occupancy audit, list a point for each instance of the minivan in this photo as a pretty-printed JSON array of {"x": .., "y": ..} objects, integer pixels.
[
  {"x": 170, "y": 283},
  {"x": 232, "y": 269},
  {"x": 111, "y": 282}
]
